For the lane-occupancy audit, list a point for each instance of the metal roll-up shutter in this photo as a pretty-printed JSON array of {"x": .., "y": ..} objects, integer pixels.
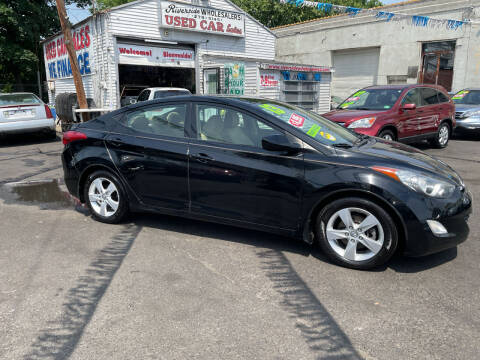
[{"x": 354, "y": 69}]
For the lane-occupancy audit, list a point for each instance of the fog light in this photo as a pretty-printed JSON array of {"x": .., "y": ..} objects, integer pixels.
[{"x": 436, "y": 227}]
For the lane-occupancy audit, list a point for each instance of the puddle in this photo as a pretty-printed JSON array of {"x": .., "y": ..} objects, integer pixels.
[{"x": 49, "y": 194}]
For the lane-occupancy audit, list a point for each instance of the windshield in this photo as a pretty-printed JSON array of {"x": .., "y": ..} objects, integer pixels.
[
  {"x": 372, "y": 99},
  {"x": 315, "y": 126},
  {"x": 16, "y": 99},
  {"x": 467, "y": 97}
]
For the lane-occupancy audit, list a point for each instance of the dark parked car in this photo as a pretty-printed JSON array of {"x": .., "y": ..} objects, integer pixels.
[
  {"x": 467, "y": 110},
  {"x": 267, "y": 165},
  {"x": 405, "y": 113}
]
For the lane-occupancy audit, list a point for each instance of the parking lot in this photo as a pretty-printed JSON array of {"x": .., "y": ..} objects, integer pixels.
[{"x": 161, "y": 287}]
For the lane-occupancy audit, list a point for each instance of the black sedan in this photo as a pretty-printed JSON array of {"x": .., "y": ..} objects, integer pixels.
[{"x": 267, "y": 165}]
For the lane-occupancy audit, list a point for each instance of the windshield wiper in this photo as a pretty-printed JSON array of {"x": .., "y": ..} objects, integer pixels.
[
  {"x": 362, "y": 139},
  {"x": 343, "y": 146}
]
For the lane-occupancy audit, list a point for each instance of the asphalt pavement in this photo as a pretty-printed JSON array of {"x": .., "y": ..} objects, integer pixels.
[{"x": 160, "y": 287}]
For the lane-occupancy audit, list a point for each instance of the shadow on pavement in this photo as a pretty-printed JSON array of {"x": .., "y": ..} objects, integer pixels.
[
  {"x": 59, "y": 339},
  {"x": 414, "y": 265},
  {"x": 11, "y": 140},
  {"x": 320, "y": 331}
]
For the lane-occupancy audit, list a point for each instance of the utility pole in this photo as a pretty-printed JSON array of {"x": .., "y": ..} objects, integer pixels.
[{"x": 72, "y": 55}]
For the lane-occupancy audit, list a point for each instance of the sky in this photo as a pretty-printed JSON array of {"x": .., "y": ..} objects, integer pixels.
[{"x": 76, "y": 14}]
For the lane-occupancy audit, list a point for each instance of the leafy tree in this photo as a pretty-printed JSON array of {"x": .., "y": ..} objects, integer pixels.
[
  {"x": 271, "y": 13},
  {"x": 23, "y": 23}
]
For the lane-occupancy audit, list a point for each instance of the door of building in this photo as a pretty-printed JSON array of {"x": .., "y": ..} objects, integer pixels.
[
  {"x": 437, "y": 63},
  {"x": 212, "y": 81}
]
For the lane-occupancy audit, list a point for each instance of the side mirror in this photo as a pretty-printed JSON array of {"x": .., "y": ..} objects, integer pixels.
[
  {"x": 409, "y": 107},
  {"x": 280, "y": 143}
]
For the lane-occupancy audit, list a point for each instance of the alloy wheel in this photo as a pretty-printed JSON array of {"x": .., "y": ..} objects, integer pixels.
[
  {"x": 104, "y": 197},
  {"x": 388, "y": 137},
  {"x": 355, "y": 234},
  {"x": 443, "y": 135}
]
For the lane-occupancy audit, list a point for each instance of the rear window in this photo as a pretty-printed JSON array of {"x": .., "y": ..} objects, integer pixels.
[
  {"x": 163, "y": 94},
  {"x": 15, "y": 99}
]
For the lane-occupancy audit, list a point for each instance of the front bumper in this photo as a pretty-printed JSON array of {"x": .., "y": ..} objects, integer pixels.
[
  {"x": 27, "y": 125},
  {"x": 454, "y": 217},
  {"x": 470, "y": 123}
]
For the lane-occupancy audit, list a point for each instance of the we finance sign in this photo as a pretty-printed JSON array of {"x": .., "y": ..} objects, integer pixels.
[
  {"x": 57, "y": 62},
  {"x": 202, "y": 19}
]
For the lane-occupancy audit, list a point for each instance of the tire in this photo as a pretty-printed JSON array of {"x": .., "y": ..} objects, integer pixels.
[
  {"x": 442, "y": 137},
  {"x": 387, "y": 135},
  {"x": 112, "y": 204},
  {"x": 52, "y": 135},
  {"x": 381, "y": 238}
]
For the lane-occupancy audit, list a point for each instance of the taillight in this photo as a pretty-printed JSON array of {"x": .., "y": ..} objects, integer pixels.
[
  {"x": 70, "y": 136},
  {"x": 48, "y": 112}
]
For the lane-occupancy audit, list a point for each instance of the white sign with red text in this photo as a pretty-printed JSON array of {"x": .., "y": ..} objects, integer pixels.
[
  {"x": 57, "y": 62},
  {"x": 202, "y": 19},
  {"x": 152, "y": 55},
  {"x": 269, "y": 79}
]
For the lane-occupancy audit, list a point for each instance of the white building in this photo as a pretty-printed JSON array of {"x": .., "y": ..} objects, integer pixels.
[
  {"x": 206, "y": 46},
  {"x": 365, "y": 51}
]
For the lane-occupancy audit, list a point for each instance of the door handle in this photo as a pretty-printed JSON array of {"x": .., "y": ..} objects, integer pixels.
[
  {"x": 203, "y": 158},
  {"x": 115, "y": 141}
]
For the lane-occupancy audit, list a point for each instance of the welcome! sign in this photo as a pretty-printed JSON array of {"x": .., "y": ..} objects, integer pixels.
[
  {"x": 152, "y": 55},
  {"x": 202, "y": 19}
]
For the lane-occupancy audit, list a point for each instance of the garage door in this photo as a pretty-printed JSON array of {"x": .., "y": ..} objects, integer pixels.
[{"x": 354, "y": 69}]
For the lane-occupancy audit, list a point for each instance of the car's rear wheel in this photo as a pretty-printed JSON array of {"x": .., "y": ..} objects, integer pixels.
[
  {"x": 356, "y": 233},
  {"x": 442, "y": 137},
  {"x": 387, "y": 135},
  {"x": 105, "y": 197}
]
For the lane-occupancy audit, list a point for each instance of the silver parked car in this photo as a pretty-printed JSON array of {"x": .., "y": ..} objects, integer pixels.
[
  {"x": 25, "y": 112},
  {"x": 467, "y": 110}
]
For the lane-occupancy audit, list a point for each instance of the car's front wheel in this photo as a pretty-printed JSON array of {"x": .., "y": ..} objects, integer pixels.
[
  {"x": 387, "y": 135},
  {"x": 356, "y": 233},
  {"x": 105, "y": 197}
]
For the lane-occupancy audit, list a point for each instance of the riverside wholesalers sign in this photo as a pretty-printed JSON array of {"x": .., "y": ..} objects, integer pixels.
[
  {"x": 202, "y": 19},
  {"x": 151, "y": 55}
]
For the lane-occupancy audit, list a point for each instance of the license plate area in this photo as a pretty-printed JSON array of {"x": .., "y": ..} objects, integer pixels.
[{"x": 19, "y": 113}]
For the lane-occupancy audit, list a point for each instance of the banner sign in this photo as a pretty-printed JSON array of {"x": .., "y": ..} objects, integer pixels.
[
  {"x": 202, "y": 19},
  {"x": 57, "y": 62},
  {"x": 415, "y": 20},
  {"x": 270, "y": 79},
  {"x": 288, "y": 67},
  {"x": 234, "y": 78},
  {"x": 152, "y": 55}
]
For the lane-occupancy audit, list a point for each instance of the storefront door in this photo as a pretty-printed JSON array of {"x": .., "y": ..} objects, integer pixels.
[
  {"x": 437, "y": 63},
  {"x": 212, "y": 81}
]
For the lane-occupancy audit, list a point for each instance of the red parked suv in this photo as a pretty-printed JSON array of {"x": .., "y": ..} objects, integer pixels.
[{"x": 406, "y": 113}]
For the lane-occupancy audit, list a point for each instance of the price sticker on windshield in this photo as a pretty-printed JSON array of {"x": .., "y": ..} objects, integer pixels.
[
  {"x": 296, "y": 120},
  {"x": 460, "y": 95}
]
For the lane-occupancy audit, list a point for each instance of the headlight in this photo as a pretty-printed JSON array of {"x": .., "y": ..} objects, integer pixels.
[
  {"x": 421, "y": 183},
  {"x": 362, "y": 123},
  {"x": 471, "y": 113}
]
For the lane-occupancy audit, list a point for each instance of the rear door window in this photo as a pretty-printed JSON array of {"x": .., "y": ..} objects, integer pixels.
[
  {"x": 442, "y": 98},
  {"x": 162, "y": 119},
  {"x": 429, "y": 96}
]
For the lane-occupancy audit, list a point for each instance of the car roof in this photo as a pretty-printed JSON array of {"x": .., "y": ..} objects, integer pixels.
[
  {"x": 166, "y": 89},
  {"x": 222, "y": 99},
  {"x": 18, "y": 93},
  {"x": 407, "y": 86}
]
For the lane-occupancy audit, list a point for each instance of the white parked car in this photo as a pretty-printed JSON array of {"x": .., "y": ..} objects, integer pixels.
[
  {"x": 161, "y": 92},
  {"x": 25, "y": 112}
]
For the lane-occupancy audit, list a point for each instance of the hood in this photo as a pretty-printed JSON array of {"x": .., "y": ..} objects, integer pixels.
[
  {"x": 466, "y": 107},
  {"x": 348, "y": 116},
  {"x": 395, "y": 155}
]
